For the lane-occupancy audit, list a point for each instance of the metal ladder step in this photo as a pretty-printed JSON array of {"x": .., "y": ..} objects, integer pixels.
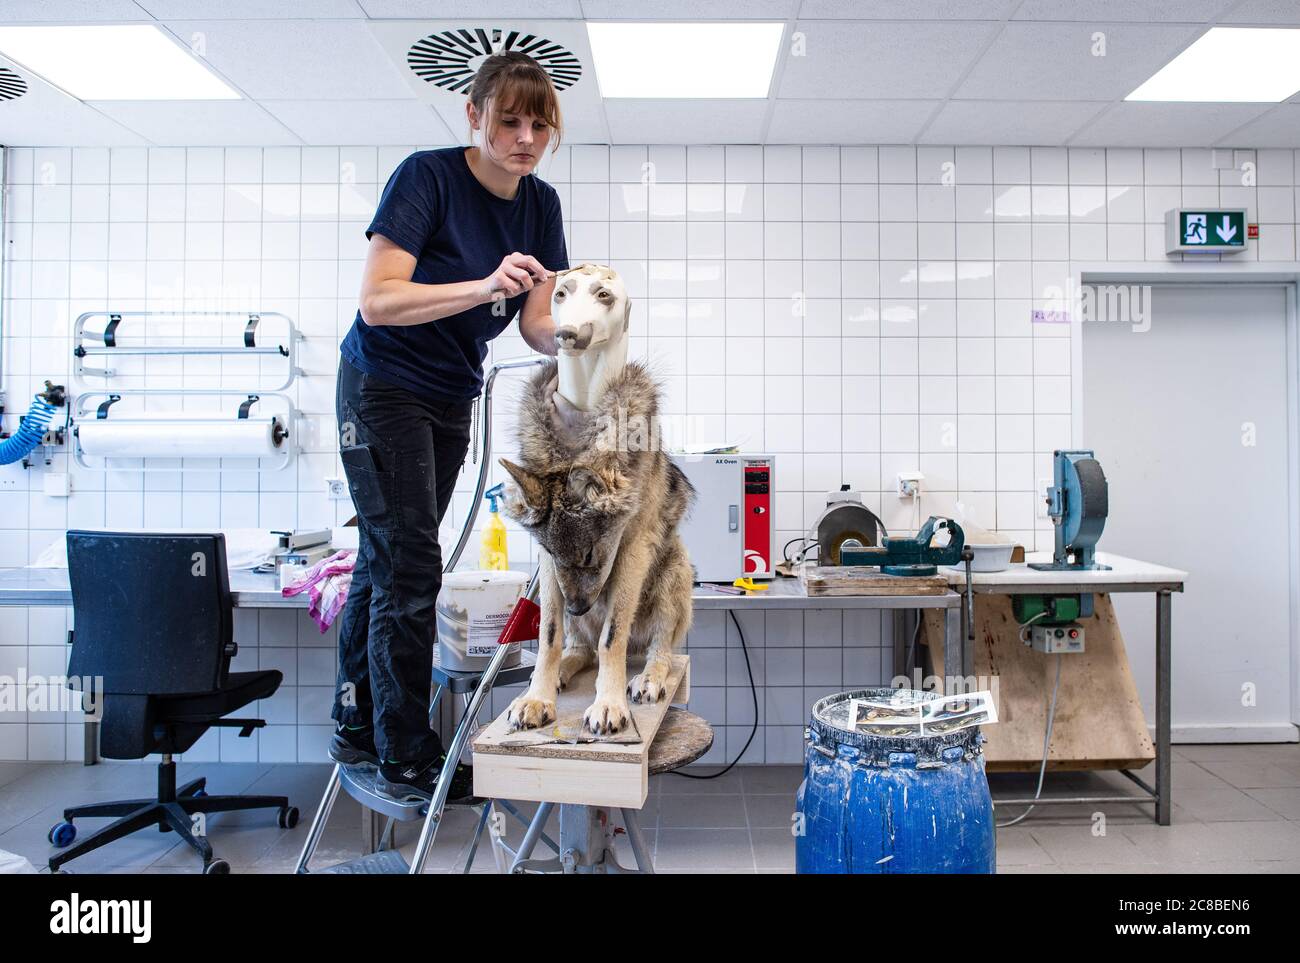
[{"x": 386, "y": 862}]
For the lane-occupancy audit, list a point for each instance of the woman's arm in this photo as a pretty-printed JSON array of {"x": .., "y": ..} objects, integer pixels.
[
  {"x": 390, "y": 297},
  {"x": 536, "y": 326}
]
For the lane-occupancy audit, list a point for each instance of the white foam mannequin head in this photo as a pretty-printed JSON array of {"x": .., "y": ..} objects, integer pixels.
[{"x": 592, "y": 312}]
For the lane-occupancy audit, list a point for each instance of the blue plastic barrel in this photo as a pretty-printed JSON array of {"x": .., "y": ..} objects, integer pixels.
[{"x": 896, "y": 804}]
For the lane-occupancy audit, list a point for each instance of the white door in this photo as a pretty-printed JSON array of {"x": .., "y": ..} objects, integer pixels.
[{"x": 1190, "y": 424}]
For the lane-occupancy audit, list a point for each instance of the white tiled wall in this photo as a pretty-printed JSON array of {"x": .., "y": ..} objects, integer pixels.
[{"x": 855, "y": 310}]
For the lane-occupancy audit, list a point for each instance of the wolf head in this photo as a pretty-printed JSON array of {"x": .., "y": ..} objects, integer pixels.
[
  {"x": 578, "y": 516},
  {"x": 590, "y": 307}
]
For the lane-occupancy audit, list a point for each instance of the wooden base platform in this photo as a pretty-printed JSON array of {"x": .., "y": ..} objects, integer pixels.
[{"x": 547, "y": 765}]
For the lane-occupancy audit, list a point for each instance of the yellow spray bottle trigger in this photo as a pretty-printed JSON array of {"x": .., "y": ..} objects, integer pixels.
[{"x": 749, "y": 585}]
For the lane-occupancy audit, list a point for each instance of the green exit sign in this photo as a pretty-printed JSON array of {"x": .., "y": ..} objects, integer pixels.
[{"x": 1201, "y": 229}]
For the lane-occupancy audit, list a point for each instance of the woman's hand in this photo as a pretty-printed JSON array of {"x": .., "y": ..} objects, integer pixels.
[{"x": 516, "y": 274}]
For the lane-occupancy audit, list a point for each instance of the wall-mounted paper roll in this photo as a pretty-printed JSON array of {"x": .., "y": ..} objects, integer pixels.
[{"x": 182, "y": 437}]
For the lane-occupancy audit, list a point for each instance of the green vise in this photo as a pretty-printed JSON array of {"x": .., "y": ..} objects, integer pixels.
[
  {"x": 900, "y": 555},
  {"x": 1051, "y": 609}
]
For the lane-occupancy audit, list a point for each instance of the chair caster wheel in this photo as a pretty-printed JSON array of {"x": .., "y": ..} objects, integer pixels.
[
  {"x": 62, "y": 834},
  {"x": 288, "y": 818},
  {"x": 218, "y": 867}
]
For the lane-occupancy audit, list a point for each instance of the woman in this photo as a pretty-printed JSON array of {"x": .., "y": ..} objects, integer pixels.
[{"x": 462, "y": 240}]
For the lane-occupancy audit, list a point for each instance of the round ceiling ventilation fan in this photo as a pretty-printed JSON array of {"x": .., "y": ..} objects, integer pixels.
[
  {"x": 12, "y": 85},
  {"x": 450, "y": 58}
]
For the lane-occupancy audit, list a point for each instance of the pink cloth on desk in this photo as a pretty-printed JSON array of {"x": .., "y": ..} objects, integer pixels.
[{"x": 326, "y": 584}]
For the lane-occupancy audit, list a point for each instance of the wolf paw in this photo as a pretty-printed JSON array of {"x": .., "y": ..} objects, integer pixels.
[
  {"x": 647, "y": 688},
  {"x": 605, "y": 717},
  {"x": 529, "y": 712}
]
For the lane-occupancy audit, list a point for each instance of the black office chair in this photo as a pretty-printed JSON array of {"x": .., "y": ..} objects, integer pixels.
[{"x": 154, "y": 627}]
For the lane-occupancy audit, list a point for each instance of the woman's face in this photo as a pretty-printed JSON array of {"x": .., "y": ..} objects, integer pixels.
[{"x": 519, "y": 142}]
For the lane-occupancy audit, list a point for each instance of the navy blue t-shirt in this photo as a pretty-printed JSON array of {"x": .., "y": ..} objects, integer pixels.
[{"x": 434, "y": 208}]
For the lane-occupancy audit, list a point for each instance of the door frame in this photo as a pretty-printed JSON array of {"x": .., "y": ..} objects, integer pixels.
[{"x": 1219, "y": 274}]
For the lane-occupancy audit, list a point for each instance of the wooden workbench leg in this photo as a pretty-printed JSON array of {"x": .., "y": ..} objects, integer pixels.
[{"x": 1164, "y": 659}]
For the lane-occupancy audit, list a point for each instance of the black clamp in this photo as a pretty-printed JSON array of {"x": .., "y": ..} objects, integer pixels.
[
  {"x": 110, "y": 332},
  {"x": 247, "y": 404},
  {"x": 250, "y": 330},
  {"x": 102, "y": 412}
]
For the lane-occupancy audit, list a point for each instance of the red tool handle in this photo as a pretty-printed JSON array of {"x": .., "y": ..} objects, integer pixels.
[{"x": 524, "y": 624}]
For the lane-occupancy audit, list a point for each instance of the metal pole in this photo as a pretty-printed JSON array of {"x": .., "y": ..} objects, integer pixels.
[
  {"x": 481, "y": 486},
  {"x": 1164, "y": 660},
  {"x": 431, "y": 823},
  {"x": 318, "y": 824}
]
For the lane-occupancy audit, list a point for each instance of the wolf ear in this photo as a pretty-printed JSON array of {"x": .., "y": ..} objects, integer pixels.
[
  {"x": 594, "y": 491},
  {"x": 525, "y": 500}
]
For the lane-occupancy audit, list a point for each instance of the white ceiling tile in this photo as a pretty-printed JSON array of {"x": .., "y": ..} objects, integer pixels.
[
  {"x": 881, "y": 60},
  {"x": 382, "y": 122},
  {"x": 478, "y": 9},
  {"x": 44, "y": 116},
  {"x": 1278, "y": 13},
  {"x": 1165, "y": 125},
  {"x": 297, "y": 59},
  {"x": 69, "y": 11},
  {"x": 689, "y": 9},
  {"x": 1135, "y": 11},
  {"x": 1019, "y": 123},
  {"x": 1279, "y": 127},
  {"x": 906, "y": 9},
  {"x": 253, "y": 9},
  {"x": 633, "y": 121},
  {"x": 848, "y": 121},
  {"x": 174, "y": 123},
  {"x": 1058, "y": 61}
]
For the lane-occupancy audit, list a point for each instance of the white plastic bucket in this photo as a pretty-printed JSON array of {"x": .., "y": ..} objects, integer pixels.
[{"x": 472, "y": 610}]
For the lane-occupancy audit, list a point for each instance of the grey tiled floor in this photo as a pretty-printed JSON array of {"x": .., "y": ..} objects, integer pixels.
[{"x": 1236, "y": 809}]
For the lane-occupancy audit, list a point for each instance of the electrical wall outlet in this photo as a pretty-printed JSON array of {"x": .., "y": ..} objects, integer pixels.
[
  {"x": 909, "y": 483},
  {"x": 337, "y": 488},
  {"x": 1040, "y": 502}
]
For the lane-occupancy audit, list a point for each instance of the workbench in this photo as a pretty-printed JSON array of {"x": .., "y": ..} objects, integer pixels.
[
  {"x": 1124, "y": 575},
  {"x": 254, "y": 590}
]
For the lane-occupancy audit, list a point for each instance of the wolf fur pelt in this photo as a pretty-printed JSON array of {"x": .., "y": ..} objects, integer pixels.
[{"x": 604, "y": 501}]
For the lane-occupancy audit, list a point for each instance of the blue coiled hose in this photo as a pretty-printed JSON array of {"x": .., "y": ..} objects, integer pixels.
[{"x": 29, "y": 433}]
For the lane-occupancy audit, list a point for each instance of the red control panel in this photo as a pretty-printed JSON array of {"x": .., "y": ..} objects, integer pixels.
[{"x": 758, "y": 517}]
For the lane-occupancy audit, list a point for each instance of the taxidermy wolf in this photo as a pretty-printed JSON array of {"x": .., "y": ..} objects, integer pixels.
[{"x": 603, "y": 500}]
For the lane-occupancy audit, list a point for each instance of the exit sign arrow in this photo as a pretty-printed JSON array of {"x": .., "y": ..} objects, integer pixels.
[{"x": 1202, "y": 230}]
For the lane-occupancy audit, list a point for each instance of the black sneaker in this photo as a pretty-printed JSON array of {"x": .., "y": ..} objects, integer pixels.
[
  {"x": 408, "y": 780},
  {"x": 354, "y": 747}
]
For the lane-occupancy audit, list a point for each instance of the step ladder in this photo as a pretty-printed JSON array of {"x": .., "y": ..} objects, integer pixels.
[{"x": 359, "y": 781}]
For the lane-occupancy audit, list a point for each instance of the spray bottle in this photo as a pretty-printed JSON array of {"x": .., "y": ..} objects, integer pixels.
[{"x": 492, "y": 552}]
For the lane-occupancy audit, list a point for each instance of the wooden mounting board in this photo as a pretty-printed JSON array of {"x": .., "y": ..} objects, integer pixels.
[
  {"x": 823, "y": 580},
  {"x": 589, "y": 774},
  {"x": 1099, "y": 722}
]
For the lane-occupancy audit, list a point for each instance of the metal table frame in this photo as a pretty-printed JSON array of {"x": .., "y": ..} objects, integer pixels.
[{"x": 1161, "y": 794}]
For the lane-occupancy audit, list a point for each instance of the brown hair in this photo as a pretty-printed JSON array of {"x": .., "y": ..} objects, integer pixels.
[{"x": 514, "y": 83}]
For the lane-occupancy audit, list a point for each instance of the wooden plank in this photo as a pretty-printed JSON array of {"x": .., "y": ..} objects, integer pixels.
[
  {"x": 530, "y": 765},
  {"x": 1099, "y": 722},
  {"x": 831, "y": 580}
]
